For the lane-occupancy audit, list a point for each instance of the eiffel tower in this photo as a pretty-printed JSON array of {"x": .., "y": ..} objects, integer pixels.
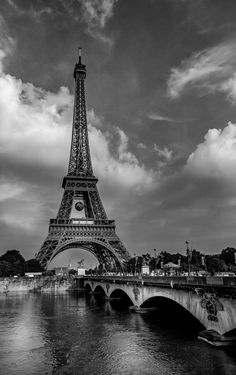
[{"x": 81, "y": 221}]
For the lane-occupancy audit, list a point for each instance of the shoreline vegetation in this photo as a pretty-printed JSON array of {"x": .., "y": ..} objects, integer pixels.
[{"x": 12, "y": 263}]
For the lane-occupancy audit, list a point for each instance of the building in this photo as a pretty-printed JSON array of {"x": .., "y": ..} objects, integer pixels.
[{"x": 61, "y": 271}]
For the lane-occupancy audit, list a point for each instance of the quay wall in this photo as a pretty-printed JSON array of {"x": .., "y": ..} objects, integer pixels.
[{"x": 37, "y": 284}]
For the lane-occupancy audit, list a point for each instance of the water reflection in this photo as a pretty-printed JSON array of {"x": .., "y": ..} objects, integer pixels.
[{"x": 75, "y": 334}]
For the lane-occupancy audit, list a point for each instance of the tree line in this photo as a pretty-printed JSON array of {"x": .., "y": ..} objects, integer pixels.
[
  {"x": 13, "y": 263},
  {"x": 194, "y": 260}
]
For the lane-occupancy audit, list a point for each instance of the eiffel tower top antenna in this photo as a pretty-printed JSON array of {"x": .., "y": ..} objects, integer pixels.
[{"x": 80, "y": 54}]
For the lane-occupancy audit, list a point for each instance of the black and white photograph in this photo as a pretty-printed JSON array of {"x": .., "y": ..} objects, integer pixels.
[{"x": 117, "y": 187}]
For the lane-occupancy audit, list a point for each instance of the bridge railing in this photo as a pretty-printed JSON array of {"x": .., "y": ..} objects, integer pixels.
[{"x": 229, "y": 282}]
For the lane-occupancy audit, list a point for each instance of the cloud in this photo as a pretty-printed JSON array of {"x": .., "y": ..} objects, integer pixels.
[
  {"x": 199, "y": 201},
  {"x": 9, "y": 190},
  {"x": 163, "y": 153},
  {"x": 30, "y": 11},
  {"x": 123, "y": 172},
  {"x": 211, "y": 70},
  {"x": 96, "y": 14},
  {"x": 23, "y": 216},
  {"x": 34, "y": 122},
  {"x": 142, "y": 146},
  {"x": 206, "y": 183},
  {"x": 157, "y": 117},
  {"x": 7, "y": 43},
  {"x": 164, "y": 157},
  {"x": 20, "y": 203},
  {"x": 96, "y": 120},
  {"x": 36, "y": 131},
  {"x": 215, "y": 157},
  {"x": 35, "y": 137},
  {"x": 229, "y": 87}
]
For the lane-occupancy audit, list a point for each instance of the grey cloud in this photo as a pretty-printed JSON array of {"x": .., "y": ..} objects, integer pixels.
[{"x": 211, "y": 70}]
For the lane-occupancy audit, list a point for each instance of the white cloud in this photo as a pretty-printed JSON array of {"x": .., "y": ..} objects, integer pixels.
[
  {"x": 229, "y": 86},
  {"x": 212, "y": 69},
  {"x": 124, "y": 172},
  {"x": 35, "y": 134},
  {"x": 124, "y": 154},
  {"x": 21, "y": 206},
  {"x": 18, "y": 215},
  {"x": 157, "y": 117},
  {"x": 34, "y": 122},
  {"x": 142, "y": 146},
  {"x": 164, "y": 153},
  {"x": 95, "y": 119},
  {"x": 9, "y": 189},
  {"x": 7, "y": 43},
  {"x": 36, "y": 130},
  {"x": 215, "y": 157},
  {"x": 96, "y": 14},
  {"x": 31, "y": 11}
]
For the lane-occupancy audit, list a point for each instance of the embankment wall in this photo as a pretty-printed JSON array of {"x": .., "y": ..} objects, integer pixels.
[{"x": 43, "y": 283}]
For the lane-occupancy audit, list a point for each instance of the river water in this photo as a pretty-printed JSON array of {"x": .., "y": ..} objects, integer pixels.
[{"x": 73, "y": 334}]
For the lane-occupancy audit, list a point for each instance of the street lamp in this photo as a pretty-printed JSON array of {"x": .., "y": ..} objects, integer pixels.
[
  {"x": 135, "y": 264},
  {"x": 155, "y": 263},
  {"x": 188, "y": 255}
]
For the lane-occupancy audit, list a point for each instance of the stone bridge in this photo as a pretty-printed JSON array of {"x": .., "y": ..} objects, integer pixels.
[{"x": 212, "y": 301}]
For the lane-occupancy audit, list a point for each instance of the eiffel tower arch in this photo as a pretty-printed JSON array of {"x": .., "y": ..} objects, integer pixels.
[{"x": 81, "y": 221}]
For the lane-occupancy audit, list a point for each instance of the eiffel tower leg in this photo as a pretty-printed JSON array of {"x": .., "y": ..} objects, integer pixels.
[
  {"x": 107, "y": 250},
  {"x": 46, "y": 251}
]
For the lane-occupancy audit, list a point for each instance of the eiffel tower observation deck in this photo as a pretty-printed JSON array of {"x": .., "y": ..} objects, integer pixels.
[{"x": 81, "y": 221}]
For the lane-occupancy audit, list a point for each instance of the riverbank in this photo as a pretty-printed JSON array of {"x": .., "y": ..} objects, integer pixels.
[{"x": 39, "y": 284}]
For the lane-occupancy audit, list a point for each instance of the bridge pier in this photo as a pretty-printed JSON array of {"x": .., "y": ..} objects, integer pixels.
[{"x": 214, "y": 338}]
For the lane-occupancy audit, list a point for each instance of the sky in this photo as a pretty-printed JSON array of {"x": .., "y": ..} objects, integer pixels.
[{"x": 161, "y": 108}]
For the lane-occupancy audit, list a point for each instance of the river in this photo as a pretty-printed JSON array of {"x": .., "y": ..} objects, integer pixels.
[{"x": 73, "y": 334}]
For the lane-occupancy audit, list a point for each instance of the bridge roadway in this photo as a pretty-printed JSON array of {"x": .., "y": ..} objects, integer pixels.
[{"x": 211, "y": 300}]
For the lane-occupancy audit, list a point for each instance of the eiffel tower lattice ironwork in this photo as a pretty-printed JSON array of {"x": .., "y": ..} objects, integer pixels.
[{"x": 81, "y": 221}]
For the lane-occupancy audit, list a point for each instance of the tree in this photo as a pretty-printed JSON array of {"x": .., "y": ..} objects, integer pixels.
[
  {"x": 12, "y": 263},
  {"x": 13, "y": 256},
  {"x": 49, "y": 273},
  {"x": 215, "y": 264},
  {"x": 33, "y": 265},
  {"x": 7, "y": 269},
  {"x": 72, "y": 272},
  {"x": 228, "y": 255}
]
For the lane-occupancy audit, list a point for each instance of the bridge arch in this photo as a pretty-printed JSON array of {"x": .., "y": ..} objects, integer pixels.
[
  {"x": 182, "y": 299},
  {"x": 99, "y": 290},
  {"x": 120, "y": 293},
  {"x": 87, "y": 287},
  {"x": 174, "y": 310}
]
